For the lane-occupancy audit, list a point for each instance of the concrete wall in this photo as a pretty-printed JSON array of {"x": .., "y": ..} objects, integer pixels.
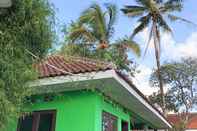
[{"x": 78, "y": 111}]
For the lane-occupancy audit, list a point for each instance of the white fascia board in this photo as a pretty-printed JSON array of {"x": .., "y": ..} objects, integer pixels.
[
  {"x": 141, "y": 99},
  {"x": 95, "y": 76},
  {"x": 73, "y": 78}
]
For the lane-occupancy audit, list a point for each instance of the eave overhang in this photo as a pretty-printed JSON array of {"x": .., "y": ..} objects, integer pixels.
[{"x": 110, "y": 83}]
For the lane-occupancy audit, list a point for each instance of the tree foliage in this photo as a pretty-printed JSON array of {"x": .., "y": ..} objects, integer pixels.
[
  {"x": 114, "y": 55},
  {"x": 95, "y": 26},
  {"x": 26, "y": 26},
  {"x": 170, "y": 101},
  {"x": 181, "y": 77},
  {"x": 91, "y": 36}
]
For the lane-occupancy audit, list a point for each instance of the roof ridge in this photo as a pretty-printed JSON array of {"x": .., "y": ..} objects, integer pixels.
[
  {"x": 84, "y": 60},
  {"x": 89, "y": 59},
  {"x": 76, "y": 65}
]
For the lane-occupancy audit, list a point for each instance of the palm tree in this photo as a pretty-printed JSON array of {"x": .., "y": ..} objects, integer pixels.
[
  {"x": 95, "y": 27},
  {"x": 152, "y": 14}
]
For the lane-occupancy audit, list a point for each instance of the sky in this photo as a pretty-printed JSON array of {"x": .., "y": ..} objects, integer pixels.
[{"x": 182, "y": 43}]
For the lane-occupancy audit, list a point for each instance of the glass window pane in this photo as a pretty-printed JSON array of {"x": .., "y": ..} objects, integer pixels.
[
  {"x": 25, "y": 123},
  {"x": 125, "y": 126},
  {"x": 109, "y": 122},
  {"x": 45, "y": 123}
]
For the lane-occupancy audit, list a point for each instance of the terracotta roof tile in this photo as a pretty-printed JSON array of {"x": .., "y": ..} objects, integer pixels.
[
  {"x": 58, "y": 65},
  {"x": 192, "y": 122}
]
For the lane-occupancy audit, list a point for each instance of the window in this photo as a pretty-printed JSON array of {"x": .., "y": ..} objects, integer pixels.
[
  {"x": 38, "y": 121},
  {"x": 25, "y": 123},
  {"x": 109, "y": 122},
  {"x": 125, "y": 126}
]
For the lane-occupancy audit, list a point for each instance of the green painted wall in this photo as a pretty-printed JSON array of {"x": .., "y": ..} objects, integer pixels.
[
  {"x": 80, "y": 111},
  {"x": 114, "y": 109}
]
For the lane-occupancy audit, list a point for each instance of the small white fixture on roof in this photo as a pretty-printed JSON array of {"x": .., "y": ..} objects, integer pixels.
[{"x": 5, "y": 3}]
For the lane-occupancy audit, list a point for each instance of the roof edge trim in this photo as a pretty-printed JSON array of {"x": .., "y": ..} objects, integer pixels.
[{"x": 98, "y": 75}]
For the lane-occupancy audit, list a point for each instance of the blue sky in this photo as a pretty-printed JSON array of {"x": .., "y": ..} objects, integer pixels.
[
  {"x": 181, "y": 44},
  {"x": 67, "y": 10}
]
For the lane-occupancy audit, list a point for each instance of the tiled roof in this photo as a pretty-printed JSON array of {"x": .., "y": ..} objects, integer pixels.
[
  {"x": 192, "y": 122},
  {"x": 58, "y": 65}
]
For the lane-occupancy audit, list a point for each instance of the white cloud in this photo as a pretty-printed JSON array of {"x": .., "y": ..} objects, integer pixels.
[
  {"x": 171, "y": 50},
  {"x": 141, "y": 80},
  {"x": 174, "y": 50}
]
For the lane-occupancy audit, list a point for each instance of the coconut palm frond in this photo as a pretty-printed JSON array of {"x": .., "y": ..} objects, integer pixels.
[
  {"x": 100, "y": 22},
  {"x": 177, "y": 18},
  {"x": 112, "y": 12},
  {"x": 129, "y": 44},
  {"x": 144, "y": 22},
  {"x": 171, "y": 6},
  {"x": 99, "y": 25},
  {"x": 163, "y": 24},
  {"x": 133, "y": 46},
  {"x": 175, "y": 1},
  {"x": 93, "y": 18},
  {"x": 133, "y": 11},
  {"x": 87, "y": 16},
  {"x": 95, "y": 24},
  {"x": 81, "y": 32}
]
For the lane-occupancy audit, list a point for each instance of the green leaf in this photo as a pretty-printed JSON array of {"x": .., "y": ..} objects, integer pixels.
[
  {"x": 163, "y": 24},
  {"x": 143, "y": 23},
  {"x": 133, "y": 11},
  {"x": 81, "y": 32},
  {"x": 129, "y": 44},
  {"x": 177, "y": 18}
]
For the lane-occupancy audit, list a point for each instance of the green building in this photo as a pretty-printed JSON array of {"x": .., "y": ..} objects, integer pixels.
[{"x": 79, "y": 94}]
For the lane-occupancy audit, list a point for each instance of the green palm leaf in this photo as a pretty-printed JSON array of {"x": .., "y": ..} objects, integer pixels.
[
  {"x": 144, "y": 22},
  {"x": 170, "y": 7},
  {"x": 133, "y": 11},
  {"x": 177, "y": 18},
  {"x": 87, "y": 16},
  {"x": 163, "y": 24},
  {"x": 99, "y": 23},
  {"x": 112, "y": 12},
  {"x": 83, "y": 33},
  {"x": 129, "y": 44},
  {"x": 133, "y": 46}
]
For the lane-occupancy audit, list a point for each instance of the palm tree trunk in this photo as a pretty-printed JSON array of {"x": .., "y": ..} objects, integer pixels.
[
  {"x": 160, "y": 82},
  {"x": 157, "y": 56},
  {"x": 191, "y": 89}
]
